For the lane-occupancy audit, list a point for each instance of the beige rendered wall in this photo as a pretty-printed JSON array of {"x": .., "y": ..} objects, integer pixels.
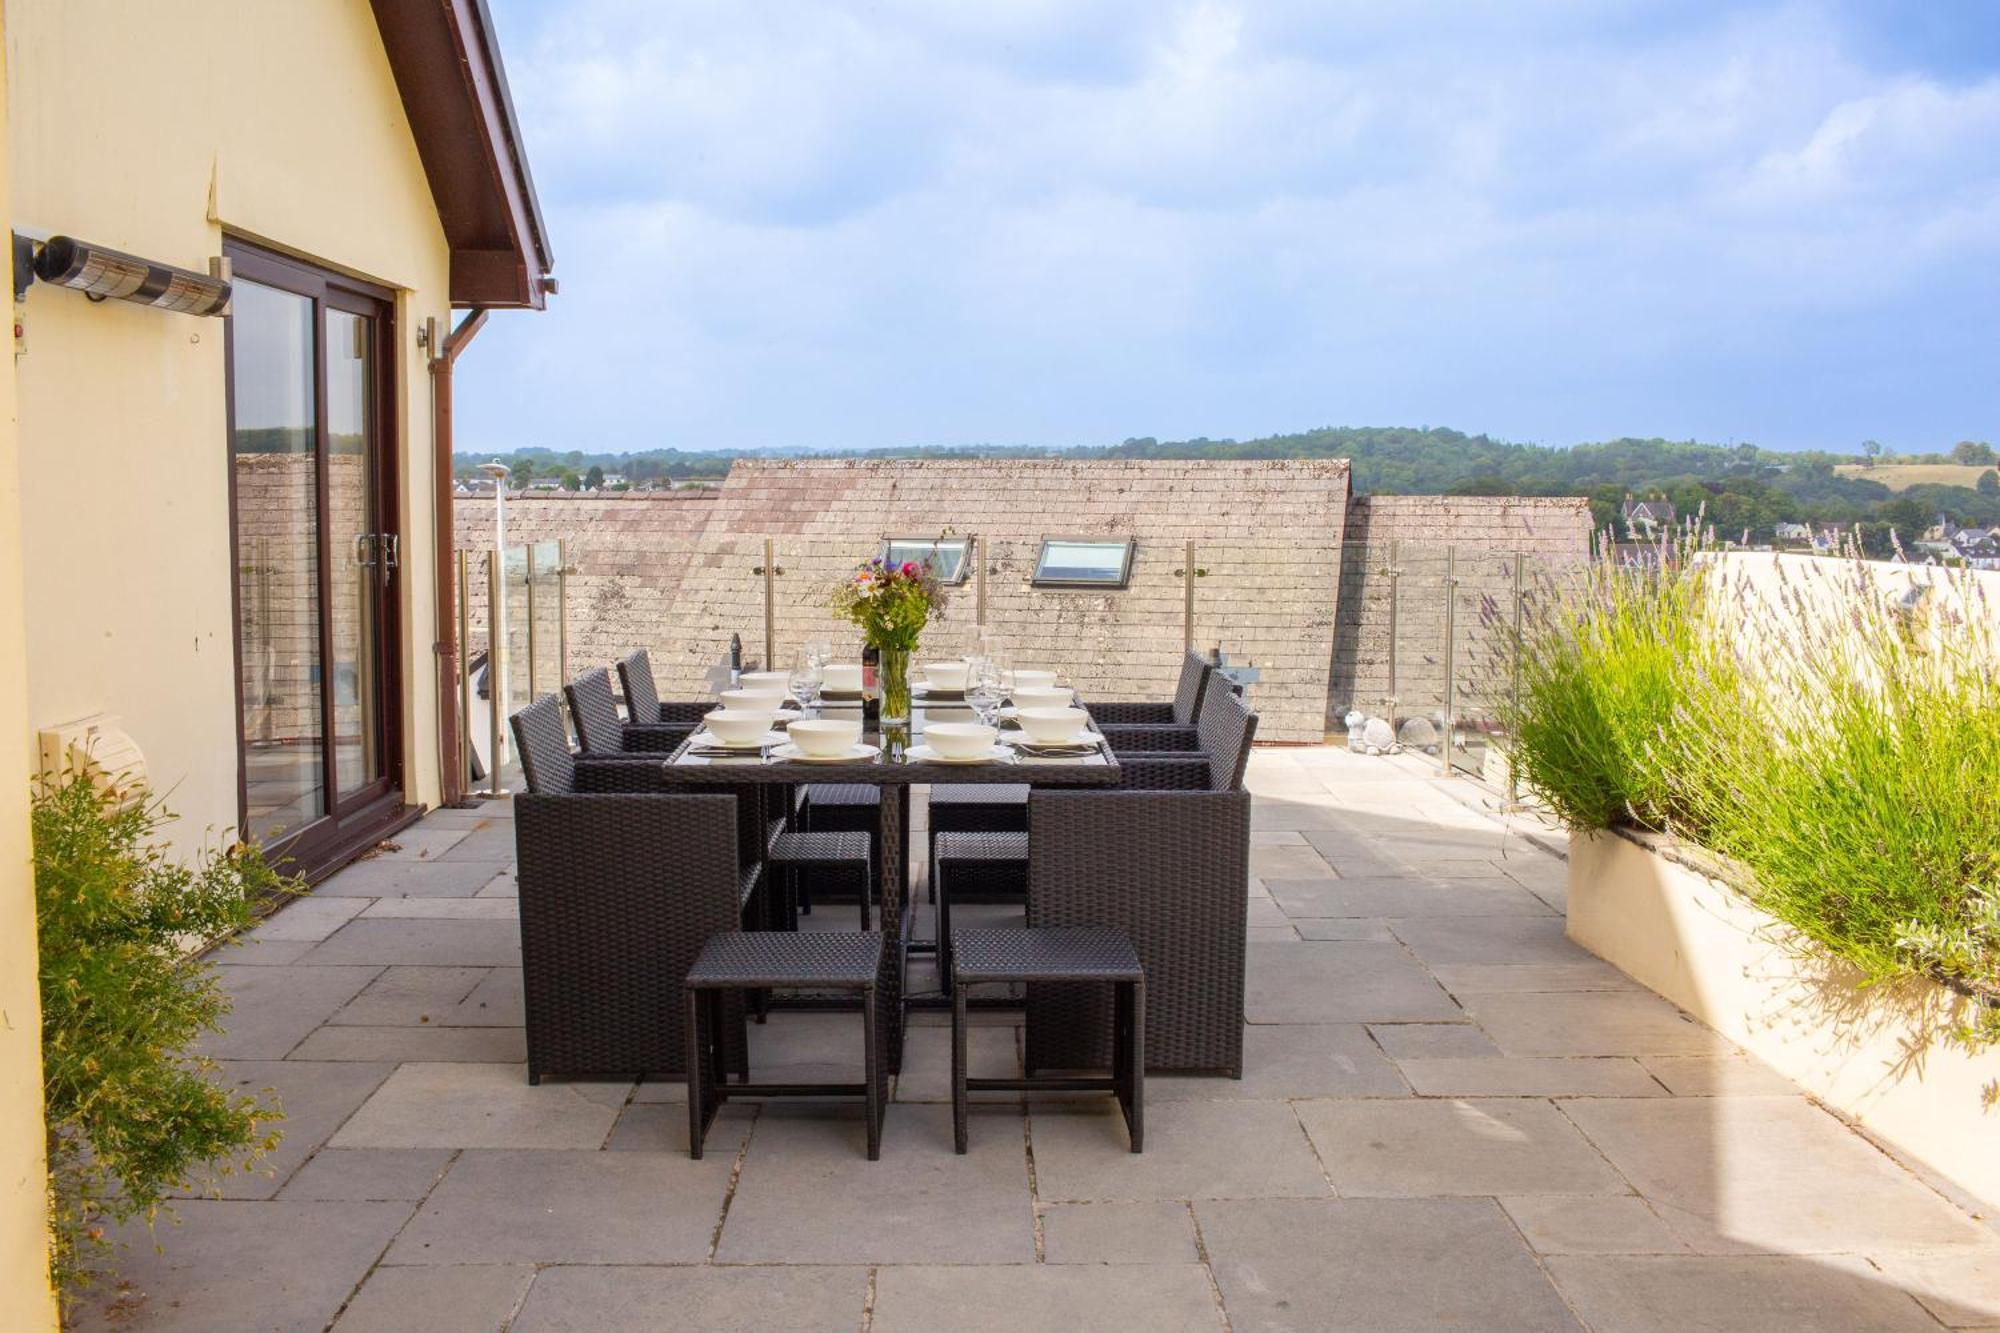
[
  {"x": 26, "y": 1302},
  {"x": 158, "y": 129}
]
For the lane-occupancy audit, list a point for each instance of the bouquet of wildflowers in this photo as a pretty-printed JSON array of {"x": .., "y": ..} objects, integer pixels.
[{"x": 891, "y": 603}]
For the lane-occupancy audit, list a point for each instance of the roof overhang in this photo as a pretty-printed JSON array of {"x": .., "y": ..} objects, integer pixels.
[{"x": 454, "y": 87}]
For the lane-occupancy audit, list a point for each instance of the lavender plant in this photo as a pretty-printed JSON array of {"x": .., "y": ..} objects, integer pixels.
[{"x": 1839, "y": 744}]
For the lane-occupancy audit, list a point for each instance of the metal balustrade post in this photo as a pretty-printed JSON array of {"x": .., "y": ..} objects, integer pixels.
[
  {"x": 1450, "y": 657},
  {"x": 496, "y": 671},
  {"x": 1187, "y": 600},
  {"x": 534, "y": 690},
  {"x": 1395, "y": 572},
  {"x": 978, "y": 547},
  {"x": 562, "y": 610},
  {"x": 770, "y": 605},
  {"x": 464, "y": 673},
  {"x": 1514, "y": 671}
]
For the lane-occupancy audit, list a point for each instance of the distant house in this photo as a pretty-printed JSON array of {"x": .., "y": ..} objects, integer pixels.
[
  {"x": 1826, "y": 539},
  {"x": 612, "y": 479},
  {"x": 1977, "y": 547},
  {"x": 1645, "y": 520},
  {"x": 1794, "y": 532}
]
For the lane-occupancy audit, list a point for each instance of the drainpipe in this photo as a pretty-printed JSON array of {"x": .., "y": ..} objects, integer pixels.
[{"x": 452, "y": 779}]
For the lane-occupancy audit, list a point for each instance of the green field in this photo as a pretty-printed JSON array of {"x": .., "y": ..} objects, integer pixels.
[{"x": 1902, "y": 476}]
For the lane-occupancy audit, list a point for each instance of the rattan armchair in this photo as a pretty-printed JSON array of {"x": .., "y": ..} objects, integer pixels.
[
  {"x": 599, "y": 728},
  {"x": 642, "y": 700},
  {"x": 1141, "y": 727},
  {"x": 1168, "y": 863},
  {"x": 618, "y": 894}
]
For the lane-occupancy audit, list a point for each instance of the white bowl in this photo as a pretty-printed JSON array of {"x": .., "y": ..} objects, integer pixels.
[
  {"x": 825, "y": 736},
  {"x": 1043, "y": 696},
  {"x": 765, "y": 681},
  {"x": 946, "y": 675},
  {"x": 841, "y": 677},
  {"x": 1031, "y": 679},
  {"x": 738, "y": 726},
  {"x": 769, "y": 700},
  {"x": 959, "y": 740},
  {"x": 1052, "y": 726}
]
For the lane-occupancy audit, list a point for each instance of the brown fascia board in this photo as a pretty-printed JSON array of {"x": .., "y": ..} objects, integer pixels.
[{"x": 454, "y": 89}]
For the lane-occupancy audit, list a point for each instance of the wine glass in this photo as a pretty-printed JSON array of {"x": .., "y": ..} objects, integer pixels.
[
  {"x": 804, "y": 682},
  {"x": 982, "y": 689},
  {"x": 816, "y": 652}
]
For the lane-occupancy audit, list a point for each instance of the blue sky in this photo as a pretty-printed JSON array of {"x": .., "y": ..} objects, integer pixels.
[{"x": 862, "y": 223}]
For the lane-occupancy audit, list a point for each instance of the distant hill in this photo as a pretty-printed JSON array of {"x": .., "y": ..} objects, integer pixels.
[{"x": 1740, "y": 489}]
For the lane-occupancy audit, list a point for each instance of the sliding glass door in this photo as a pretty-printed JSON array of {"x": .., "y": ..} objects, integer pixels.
[{"x": 317, "y": 558}]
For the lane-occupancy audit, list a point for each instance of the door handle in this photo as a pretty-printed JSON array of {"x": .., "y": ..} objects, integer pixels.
[
  {"x": 363, "y": 551},
  {"x": 392, "y": 549}
]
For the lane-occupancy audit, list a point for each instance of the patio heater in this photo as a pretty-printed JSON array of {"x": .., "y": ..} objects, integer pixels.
[{"x": 496, "y": 648}]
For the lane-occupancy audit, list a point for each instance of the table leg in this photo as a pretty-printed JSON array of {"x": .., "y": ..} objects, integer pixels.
[{"x": 894, "y": 873}]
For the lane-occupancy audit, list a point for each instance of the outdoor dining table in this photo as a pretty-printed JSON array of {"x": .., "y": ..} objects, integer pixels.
[{"x": 895, "y": 774}]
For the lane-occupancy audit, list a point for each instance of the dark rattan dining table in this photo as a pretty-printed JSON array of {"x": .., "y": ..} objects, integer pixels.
[{"x": 759, "y": 773}]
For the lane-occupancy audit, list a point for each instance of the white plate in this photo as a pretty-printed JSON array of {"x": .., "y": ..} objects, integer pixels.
[
  {"x": 994, "y": 754},
  {"x": 854, "y": 752},
  {"x": 703, "y": 740},
  {"x": 1026, "y": 741}
]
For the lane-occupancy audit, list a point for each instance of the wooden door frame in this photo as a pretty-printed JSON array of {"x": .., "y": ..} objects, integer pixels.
[{"x": 345, "y": 829}]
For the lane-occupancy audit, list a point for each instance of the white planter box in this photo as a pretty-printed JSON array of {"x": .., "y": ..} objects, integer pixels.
[{"x": 1881, "y": 1055}]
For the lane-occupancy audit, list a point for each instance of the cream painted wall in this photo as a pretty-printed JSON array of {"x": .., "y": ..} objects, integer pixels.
[
  {"x": 26, "y": 1303},
  {"x": 157, "y": 129}
]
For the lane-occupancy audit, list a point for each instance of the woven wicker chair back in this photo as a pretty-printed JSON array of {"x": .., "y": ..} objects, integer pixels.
[
  {"x": 542, "y": 742},
  {"x": 1195, "y": 671},
  {"x": 599, "y": 729},
  {"x": 642, "y": 696},
  {"x": 1226, "y": 729}
]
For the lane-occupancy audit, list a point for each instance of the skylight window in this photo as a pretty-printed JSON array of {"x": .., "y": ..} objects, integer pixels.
[
  {"x": 946, "y": 554},
  {"x": 1068, "y": 562}
]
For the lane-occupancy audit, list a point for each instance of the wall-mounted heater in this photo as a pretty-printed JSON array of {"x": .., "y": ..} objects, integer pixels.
[{"x": 102, "y": 274}]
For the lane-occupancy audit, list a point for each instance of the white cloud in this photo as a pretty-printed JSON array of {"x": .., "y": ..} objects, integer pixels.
[{"x": 851, "y": 224}]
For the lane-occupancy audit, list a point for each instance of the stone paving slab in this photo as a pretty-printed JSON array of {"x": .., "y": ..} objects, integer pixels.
[
  {"x": 1592, "y": 1023},
  {"x": 422, "y": 943},
  {"x": 1621, "y": 1224},
  {"x": 1670, "y": 1294},
  {"x": 310, "y": 917},
  {"x": 1529, "y": 939},
  {"x": 1492, "y": 1076},
  {"x": 277, "y": 1267},
  {"x": 1159, "y": 1232},
  {"x": 450, "y": 1105},
  {"x": 315, "y": 1098},
  {"x": 1378, "y": 898},
  {"x": 406, "y": 879},
  {"x": 1477, "y": 978},
  {"x": 444, "y": 909},
  {"x": 540, "y": 1207},
  {"x": 274, "y": 1009},
  {"x": 714, "y": 1300},
  {"x": 1432, "y": 1041},
  {"x": 1375, "y": 1266},
  {"x": 425, "y": 842},
  {"x": 470, "y": 1299},
  {"x": 1293, "y": 1060},
  {"x": 409, "y": 996},
  {"x": 362, "y": 1175},
  {"x": 808, "y": 1193},
  {"x": 1767, "y": 1173},
  {"x": 1340, "y": 983},
  {"x": 1052, "y": 1298},
  {"x": 1434, "y": 1149},
  {"x": 400, "y": 1044},
  {"x": 1194, "y": 1150},
  {"x": 1724, "y": 1076}
]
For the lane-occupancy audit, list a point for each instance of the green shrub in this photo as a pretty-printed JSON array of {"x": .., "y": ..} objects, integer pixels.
[
  {"x": 130, "y": 1115},
  {"x": 1840, "y": 748},
  {"x": 1607, "y": 660}
]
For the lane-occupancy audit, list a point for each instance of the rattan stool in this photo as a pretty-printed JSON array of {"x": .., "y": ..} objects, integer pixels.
[
  {"x": 977, "y": 857},
  {"x": 1076, "y": 953},
  {"x": 793, "y": 851},
  {"x": 740, "y": 960}
]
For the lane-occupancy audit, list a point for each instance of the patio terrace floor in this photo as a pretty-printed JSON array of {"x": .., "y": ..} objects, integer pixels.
[{"x": 1451, "y": 1117}]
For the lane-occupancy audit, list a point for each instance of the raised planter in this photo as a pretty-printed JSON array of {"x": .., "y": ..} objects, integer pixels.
[{"x": 1882, "y": 1055}]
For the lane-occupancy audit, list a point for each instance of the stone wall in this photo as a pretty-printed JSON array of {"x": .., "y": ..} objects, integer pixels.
[
  {"x": 1412, "y": 534},
  {"x": 677, "y": 576}
]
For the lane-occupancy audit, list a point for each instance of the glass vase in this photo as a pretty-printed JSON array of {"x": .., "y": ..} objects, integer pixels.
[{"x": 894, "y": 673}]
